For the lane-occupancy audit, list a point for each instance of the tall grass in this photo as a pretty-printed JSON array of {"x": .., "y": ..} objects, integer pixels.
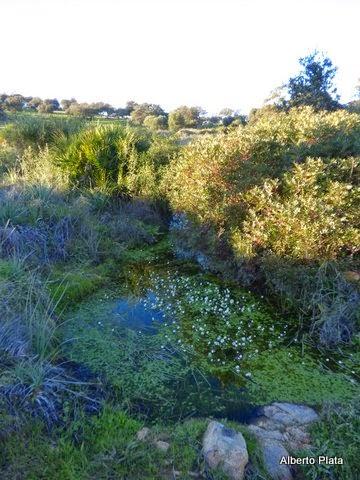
[{"x": 37, "y": 131}]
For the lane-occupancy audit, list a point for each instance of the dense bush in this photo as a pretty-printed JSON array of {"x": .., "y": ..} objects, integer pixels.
[
  {"x": 310, "y": 213},
  {"x": 211, "y": 173},
  {"x": 124, "y": 158}
]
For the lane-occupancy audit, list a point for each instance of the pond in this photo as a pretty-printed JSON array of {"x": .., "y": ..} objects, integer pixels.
[{"x": 177, "y": 342}]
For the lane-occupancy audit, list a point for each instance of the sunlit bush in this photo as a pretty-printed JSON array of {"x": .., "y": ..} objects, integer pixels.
[
  {"x": 213, "y": 171},
  {"x": 309, "y": 214}
]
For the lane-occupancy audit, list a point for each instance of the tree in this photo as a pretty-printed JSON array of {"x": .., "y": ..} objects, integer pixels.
[
  {"x": 156, "y": 122},
  {"x": 130, "y": 106},
  {"x": 101, "y": 108},
  {"x": 185, "y": 117},
  {"x": 314, "y": 84},
  {"x": 2, "y": 114},
  {"x": 143, "y": 110},
  {"x": 80, "y": 109},
  {"x": 3, "y": 97},
  {"x": 226, "y": 112},
  {"x": 122, "y": 112},
  {"x": 65, "y": 104},
  {"x": 34, "y": 103},
  {"x": 49, "y": 105},
  {"x": 14, "y": 103},
  {"x": 354, "y": 105}
]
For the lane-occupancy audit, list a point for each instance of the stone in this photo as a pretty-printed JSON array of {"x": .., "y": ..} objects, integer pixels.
[
  {"x": 163, "y": 446},
  {"x": 291, "y": 413},
  {"x": 143, "y": 434},
  {"x": 273, "y": 452},
  {"x": 267, "y": 434},
  {"x": 297, "y": 438},
  {"x": 224, "y": 448},
  {"x": 282, "y": 425}
]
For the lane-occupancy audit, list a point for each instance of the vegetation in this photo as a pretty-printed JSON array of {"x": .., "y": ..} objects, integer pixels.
[
  {"x": 237, "y": 244},
  {"x": 314, "y": 85}
]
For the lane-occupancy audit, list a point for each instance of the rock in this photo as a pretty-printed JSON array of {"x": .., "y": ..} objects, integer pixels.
[
  {"x": 225, "y": 448},
  {"x": 290, "y": 413},
  {"x": 297, "y": 438},
  {"x": 267, "y": 434},
  {"x": 163, "y": 446},
  {"x": 279, "y": 426},
  {"x": 143, "y": 434},
  {"x": 273, "y": 451}
]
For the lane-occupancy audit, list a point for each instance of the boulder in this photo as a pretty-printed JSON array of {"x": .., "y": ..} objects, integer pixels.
[
  {"x": 224, "y": 448},
  {"x": 290, "y": 413},
  {"x": 279, "y": 426},
  {"x": 273, "y": 452}
]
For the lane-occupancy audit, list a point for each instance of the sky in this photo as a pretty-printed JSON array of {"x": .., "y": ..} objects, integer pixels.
[{"x": 209, "y": 53}]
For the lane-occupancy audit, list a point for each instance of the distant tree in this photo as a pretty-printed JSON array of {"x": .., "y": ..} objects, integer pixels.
[
  {"x": 143, "y": 110},
  {"x": 122, "y": 112},
  {"x": 314, "y": 84},
  {"x": 130, "y": 106},
  {"x": 80, "y": 109},
  {"x": 185, "y": 117},
  {"x": 89, "y": 109},
  {"x": 65, "y": 104},
  {"x": 354, "y": 105},
  {"x": 156, "y": 122},
  {"x": 101, "y": 108},
  {"x": 14, "y": 103},
  {"x": 34, "y": 103},
  {"x": 228, "y": 116},
  {"x": 226, "y": 112},
  {"x": 3, "y": 97},
  {"x": 49, "y": 105},
  {"x": 2, "y": 114},
  {"x": 210, "y": 122},
  {"x": 278, "y": 97}
]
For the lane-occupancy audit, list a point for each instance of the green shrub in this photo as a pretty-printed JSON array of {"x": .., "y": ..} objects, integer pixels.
[
  {"x": 113, "y": 156},
  {"x": 155, "y": 122},
  {"x": 213, "y": 171},
  {"x": 309, "y": 214}
]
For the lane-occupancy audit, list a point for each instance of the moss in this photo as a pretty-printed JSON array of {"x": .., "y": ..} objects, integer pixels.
[
  {"x": 147, "y": 254},
  {"x": 69, "y": 287},
  {"x": 285, "y": 375}
]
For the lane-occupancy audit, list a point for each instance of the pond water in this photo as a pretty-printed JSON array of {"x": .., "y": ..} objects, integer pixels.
[
  {"x": 135, "y": 313},
  {"x": 198, "y": 346}
]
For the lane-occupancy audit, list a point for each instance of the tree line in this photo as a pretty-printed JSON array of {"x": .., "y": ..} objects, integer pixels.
[{"x": 313, "y": 86}]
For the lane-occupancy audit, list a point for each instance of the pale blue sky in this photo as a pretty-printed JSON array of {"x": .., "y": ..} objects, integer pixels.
[{"x": 212, "y": 53}]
